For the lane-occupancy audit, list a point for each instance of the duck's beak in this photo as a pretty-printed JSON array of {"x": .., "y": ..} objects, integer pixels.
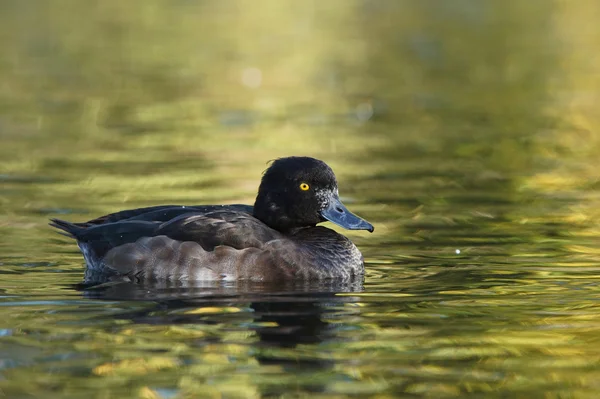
[{"x": 337, "y": 213}]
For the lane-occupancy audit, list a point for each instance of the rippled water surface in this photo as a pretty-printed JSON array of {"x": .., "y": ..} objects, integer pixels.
[{"x": 467, "y": 132}]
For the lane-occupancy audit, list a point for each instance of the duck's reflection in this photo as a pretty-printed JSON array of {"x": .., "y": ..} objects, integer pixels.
[{"x": 282, "y": 316}]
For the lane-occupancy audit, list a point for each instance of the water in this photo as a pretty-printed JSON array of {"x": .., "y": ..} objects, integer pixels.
[{"x": 465, "y": 131}]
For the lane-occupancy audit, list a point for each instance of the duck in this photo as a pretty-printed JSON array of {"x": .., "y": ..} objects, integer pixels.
[{"x": 277, "y": 239}]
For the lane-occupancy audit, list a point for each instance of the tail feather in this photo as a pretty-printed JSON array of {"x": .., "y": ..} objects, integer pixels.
[{"x": 69, "y": 229}]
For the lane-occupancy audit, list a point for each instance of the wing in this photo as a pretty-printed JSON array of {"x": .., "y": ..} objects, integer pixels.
[
  {"x": 109, "y": 231},
  {"x": 222, "y": 245},
  {"x": 237, "y": 230}
]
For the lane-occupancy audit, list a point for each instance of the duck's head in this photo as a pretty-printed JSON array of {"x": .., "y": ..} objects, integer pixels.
[{"x": 300, "y": 192}]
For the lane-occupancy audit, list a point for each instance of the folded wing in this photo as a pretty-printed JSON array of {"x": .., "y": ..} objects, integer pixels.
[{"x": 218, "y": 245}]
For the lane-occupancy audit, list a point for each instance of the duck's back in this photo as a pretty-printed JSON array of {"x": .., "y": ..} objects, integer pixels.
[{"x": 164, "y": 213}]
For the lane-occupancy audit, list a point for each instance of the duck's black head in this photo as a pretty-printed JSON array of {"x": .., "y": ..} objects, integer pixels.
[{"x": 300, "y": 192}]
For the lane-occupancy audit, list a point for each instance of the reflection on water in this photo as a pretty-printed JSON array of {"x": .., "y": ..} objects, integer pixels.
[{"x": 466, "y": 130}]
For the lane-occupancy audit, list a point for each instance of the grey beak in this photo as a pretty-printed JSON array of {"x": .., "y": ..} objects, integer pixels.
[{"x": 337, "y": 213}]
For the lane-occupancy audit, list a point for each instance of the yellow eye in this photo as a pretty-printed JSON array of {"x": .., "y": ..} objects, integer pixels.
[{"x": 304, "y": 186}]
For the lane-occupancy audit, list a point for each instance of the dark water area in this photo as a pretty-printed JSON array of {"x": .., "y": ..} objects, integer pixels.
[{"x": 467, "y": 132}]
